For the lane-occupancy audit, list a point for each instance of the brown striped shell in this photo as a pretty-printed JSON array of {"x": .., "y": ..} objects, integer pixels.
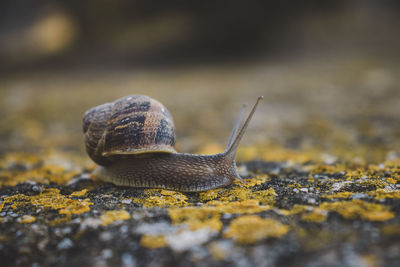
[{"x": 131, "y": 125}]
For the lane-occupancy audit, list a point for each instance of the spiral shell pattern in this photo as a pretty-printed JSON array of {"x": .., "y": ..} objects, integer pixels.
[{"x": 131, "y": 125}]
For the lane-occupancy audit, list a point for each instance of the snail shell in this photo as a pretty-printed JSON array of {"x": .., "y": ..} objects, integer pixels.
[{"x": 131, "y": 125}]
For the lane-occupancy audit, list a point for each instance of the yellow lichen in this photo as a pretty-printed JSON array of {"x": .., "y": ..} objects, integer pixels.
[
  {"x": 45, "y": 174},
  {"x": 374, "y": 182},
  {"x": 317, "y": 216},
  {"x": 338, "y": 195},
  {"x": 283, "y": 212},
  {"x": 297, "y": 208},
  {"x": 239, "y": 207},
  {"x": 390, "y": 229},
  {"x": 359, "y": 209},
  {"x": 153, "y": 241},
  {"x": 114, "y": 215},
  {"x": 162, "y": 199},
  {"x": 361, "y": 174},
  {"x": 22, "y": 158},
  {"x": 218, "y": 252},
  {"x": 60, "y": 220},
  {"x": 396, "y": 176},
  {"x": 79, "y": 193},
  {"x": 239, "y": 194},
  {"x": 196, "y": 218},
  {"x": 250, "y": 229},
  {"x": 382, "y": 193},
  {"x": 257, "y": 180},
  {"x": 210, "y": 194},
  {"x": 47, "y": 167},
  {"x": 328, "y": 169},
  {"x": 220, "y": 201},
  {"x": 354, "y": 174},
  {"x": 265, "y": 196},
  {"x": 239, "y": 200},
  {"x": 50, "y": 199},
  {"x": 27, "y": 219},
  {"x": 295, "y": 185},
  {"x": 235, "y": 194},
  {"x": 393, "y": 164}
]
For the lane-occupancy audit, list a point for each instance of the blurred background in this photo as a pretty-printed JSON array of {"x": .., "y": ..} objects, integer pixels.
[{"x": 329, "y": 71}]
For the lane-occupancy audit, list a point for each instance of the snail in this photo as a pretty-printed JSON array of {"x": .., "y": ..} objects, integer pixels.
[{"x": 132, "y": 140}]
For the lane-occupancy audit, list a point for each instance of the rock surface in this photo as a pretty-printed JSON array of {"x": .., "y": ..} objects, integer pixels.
[{"x": 322, "y": 166}]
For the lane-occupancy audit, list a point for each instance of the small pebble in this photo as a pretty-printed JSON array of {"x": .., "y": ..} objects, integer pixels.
[
  {"x": 329, "y": 159},
  {"x": 305, "y": 190},
  {"x": 106, "y": 236},
  {"x": 77, "y": 220},
  {"x": 339, "y": 185},
  {"x": 106, "y": 254},
  {"x": 311, "y": 201},
  {"x": 36, "y": 188},
  {"x": 137, "y": 216},
  {"x": 124, "y": 229},
  {"x": 126, "y": 201},
  {"x": 309, "y": 208},
  {"x": 66, "y": 243},
  {"x": 198, "y": 253},
  {"x": 90, "y": 223},
  {"x": 128, "y": 260},
  {"x": 159, "y": 228},
  {"x": 243, "y": 172},
  {"x": 188, "y": 239},
  {"x": 57, "y": 232},
  {"x": 226, "y": 216},
  {"x": 67, "y": 230},
  {"x": 358, "y": 196}
]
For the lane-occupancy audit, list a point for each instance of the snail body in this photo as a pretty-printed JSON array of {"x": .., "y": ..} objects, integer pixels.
[
  {"x": 179, "y": 171},
  {"x": 132, "y": 140}
]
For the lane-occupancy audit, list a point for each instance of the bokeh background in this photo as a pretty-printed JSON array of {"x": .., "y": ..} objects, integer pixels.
[{"x": 329, "y": 71}]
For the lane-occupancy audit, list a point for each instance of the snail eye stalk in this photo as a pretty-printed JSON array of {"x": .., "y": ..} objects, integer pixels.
[{"x": 238, "y": 132}]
